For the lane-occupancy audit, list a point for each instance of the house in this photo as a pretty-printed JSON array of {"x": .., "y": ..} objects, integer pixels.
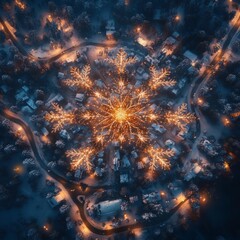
[
  {"x": 124, "y": 178},
  {"x": 151, "y": 197},
  {"x": 31, "y": 104},
  {"x": 101, "y": 154},
  {"x": 191, "y": 56},
  {"x": 45, "y": 132},
  {"x": 158, "y": 128},
  {"x": 110, "y": 29},
  {"x": 169, "y": 45},
  {"x": 140, "y": 70},
  {"x": 141, "y": 75},
  {"x": 5, "y": 88},
  {"x": 64, "y": 134},
  {"x": 125, "y": 161},
  {"x": 21, "y": 96},
  {"x": 170, "y": 41},
  {"x": 176, "y": 35},
  {"x": 140, "y": 165},
  {"x": 79, "y": 97},
  {"x": 116, "y": 164},
  {"x": 175, "y": 91},
  {"x": 26, "y": 109},
  {"x": 109, "y": 208},
  {"x": 60, "y": 75},
  {"x": 134, "y": 154},
  {"x": 117, "y": 154},
  {"x": 133, "y": 199},
  {"x": 169, "y": 143},
  {"x": 25, "y": 88},
  {"x": 206, "y": 59},
  {"x": 150, "y": 60},
  {"x": 99, "y": 172},
  {"x": 182, "y": 82},
  {"x": 56, "y": 98},
  {"x": 78, "y": 173},
  {"x": 56, "y": 200}
]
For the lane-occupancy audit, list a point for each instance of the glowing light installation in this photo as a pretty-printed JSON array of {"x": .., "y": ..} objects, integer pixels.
[
  {"x": 121, "y": 61},
  {"x": 81, "y": 157},
  {"x": 59, "y": 117},
  {"x": 118, "y": 111},
  {"x": 160, "y": 158},
  {"x": 80, "y": 78},
  {"x": 159, "y": 79},
  {"x": 121, "y": 115},
  {"x": 180, "y": 117},
  {"x": 20, "y": 4}
]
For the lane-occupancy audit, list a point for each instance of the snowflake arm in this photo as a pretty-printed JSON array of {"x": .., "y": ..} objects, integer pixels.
[
  {"x": 160, "y": 79},
  {"x": 180, "y": 117},
  {"x": 159, "y": 158},
  {"x": 121, "y": 61},
  {"x": 81, "y": 158},
  {"x": 59, "y": 117},
  {"x": 80, "y": 78}
]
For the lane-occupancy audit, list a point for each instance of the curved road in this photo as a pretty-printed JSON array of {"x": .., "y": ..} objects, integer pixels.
[
  {"x": 200, "y": 81},
  {"x": 50, "y": 60}
]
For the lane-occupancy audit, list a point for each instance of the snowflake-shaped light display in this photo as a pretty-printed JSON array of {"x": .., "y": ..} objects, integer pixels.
[{"x": 119, "y": 111}]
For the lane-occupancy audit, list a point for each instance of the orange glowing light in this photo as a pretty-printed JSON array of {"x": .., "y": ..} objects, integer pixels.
[
  {"x": 45, "y": 228},
  {"x": 138, "y": 29},
  {"x": 160, "y": 79},
  {"x": 18, "y": 169},
  {"x": 200, "y": 101},
  {"x": 20, "y": 4},
  {"x": 203, "y": 199},
  {"x": 121, "y": 61},
  {"x": 226, "y": 166},
  {"x": 236, "y": 114},
  {"x": 180, "y": 198},
  {"x": 163, "y": 194},
  {"x": 81, "y": 157},
  {"x": 143, "y": 41},
  {"x": 80, "y": 78},
  {"x": 121, "y": 114},
  {"x": 50, "y": 19},
  {"x": 180, "y": 117},
  {"x": 45, "y": 139},
  {"x": 226, "y": 121},
  {"x": 177, "y": 18},
  {"x": 59, "y": 117},
  {"x": 126, "y": 2},
  {"x": 159, "y": 158}
]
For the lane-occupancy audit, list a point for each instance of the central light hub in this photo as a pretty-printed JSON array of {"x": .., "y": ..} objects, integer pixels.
[{"x": 120, "y": 114}]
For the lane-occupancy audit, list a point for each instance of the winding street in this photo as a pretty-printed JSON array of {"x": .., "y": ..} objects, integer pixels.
[
  {"x": 49, "y": 60},
  {"x": 200, "y": 81}
]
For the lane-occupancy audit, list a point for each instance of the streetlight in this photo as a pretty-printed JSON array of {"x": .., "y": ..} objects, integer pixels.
[{"x": 177, "y": 18}]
